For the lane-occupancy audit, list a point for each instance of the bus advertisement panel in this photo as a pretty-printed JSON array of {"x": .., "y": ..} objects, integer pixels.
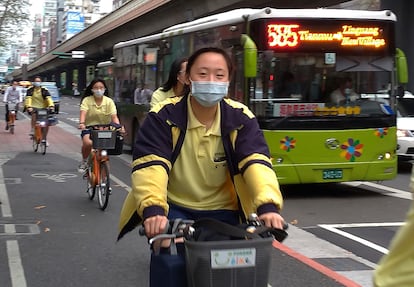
[{"x": 301, "y": 71}]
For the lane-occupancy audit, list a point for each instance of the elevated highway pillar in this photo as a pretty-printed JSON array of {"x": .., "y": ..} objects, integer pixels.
[
  {"x": 69, "y": 79},
  {"x": 82, "y": 77}
]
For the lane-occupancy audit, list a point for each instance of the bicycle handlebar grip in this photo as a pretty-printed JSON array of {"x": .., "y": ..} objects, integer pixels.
[
  {"x": 167, "y": 230},
  {"x": 115, "y": 125},
  {"x": 141, "y": 230}
]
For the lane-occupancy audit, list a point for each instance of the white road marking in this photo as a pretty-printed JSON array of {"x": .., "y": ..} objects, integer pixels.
[
  {"x": 120, "y": 182},
  {"x": 4, "y": 198},
  {"x": 390, "y": 191},
  {"x": 335, "y": 228},
  {"x": 15, "y": 264},
  {"x": 54, "y": 177},
  {"x": 10, "y": 229}
]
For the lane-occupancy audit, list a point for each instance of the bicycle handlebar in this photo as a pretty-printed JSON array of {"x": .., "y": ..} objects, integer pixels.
[
  {"x": 49, "y": 110},
  {"x": 178, "y": 228},
  {"x": 96, "y": 127}
]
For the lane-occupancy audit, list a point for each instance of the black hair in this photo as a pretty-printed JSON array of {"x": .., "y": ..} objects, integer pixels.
[
  {"x": 172, "y": 76},
  {"x": 217, "y": 50},
  {"x": 37, "y": 77},
  {"x": 88, "y": 90}
]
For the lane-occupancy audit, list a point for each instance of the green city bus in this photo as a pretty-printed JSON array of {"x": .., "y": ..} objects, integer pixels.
[{"x": 287, "y": 64}]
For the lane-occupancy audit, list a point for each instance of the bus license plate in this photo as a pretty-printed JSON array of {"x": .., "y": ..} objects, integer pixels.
[{"x": 332, "y": 173}]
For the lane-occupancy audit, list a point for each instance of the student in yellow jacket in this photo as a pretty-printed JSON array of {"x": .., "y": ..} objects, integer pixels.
[
  {"x": 396, "y": 269},
  {"x": 175, "y": 85},
  {"x": 201, "y": 155},
  {"x": 37, "y": 97}
]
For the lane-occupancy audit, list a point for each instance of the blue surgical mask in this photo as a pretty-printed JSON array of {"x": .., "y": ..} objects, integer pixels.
[
  {"x": 209, "y": 94},
  {"x": 98, "y": 93},
  {"x": 36, "y": 84}
]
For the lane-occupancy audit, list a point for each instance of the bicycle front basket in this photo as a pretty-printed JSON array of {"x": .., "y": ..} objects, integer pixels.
[
  {"x": 103, "y": 139},
  {"x": 230, "y": 263},
  {"x": 41, "y": 114}
]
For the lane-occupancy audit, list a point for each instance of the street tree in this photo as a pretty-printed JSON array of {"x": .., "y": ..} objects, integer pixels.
[{"x": 14, "y": 15}]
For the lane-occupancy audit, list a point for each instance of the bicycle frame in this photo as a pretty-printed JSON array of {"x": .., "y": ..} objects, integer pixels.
[
  {"x": 40, "y": 131},
  {"x": 97, "y": 156},
  {"x": 98, "y": 174},
  {"x": 40, "y": 128},
  {"x": 12, "y": 108}
]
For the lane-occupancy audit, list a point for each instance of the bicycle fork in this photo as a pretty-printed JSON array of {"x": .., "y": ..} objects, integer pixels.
[
  {"x": 12, "y": 117},
  {"x": 96, "y": 158},
  {"x": 40, "y": 131}
]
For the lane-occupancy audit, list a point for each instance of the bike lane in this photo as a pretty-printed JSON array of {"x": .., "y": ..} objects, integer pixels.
[
  {"x": 51, "y": 234},
  {"x": 38, "y": 224}
]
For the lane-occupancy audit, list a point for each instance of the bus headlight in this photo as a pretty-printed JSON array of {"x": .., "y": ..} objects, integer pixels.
[{"x": 386, "y": 156}]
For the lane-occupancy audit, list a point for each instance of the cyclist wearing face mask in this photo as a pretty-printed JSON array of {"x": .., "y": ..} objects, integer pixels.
[
  {"x": 201, "y": 155},
  {"x": 96, "y": 109},
  {"x": 37, "y": 97},
  {"x": 175, "y": 85}
]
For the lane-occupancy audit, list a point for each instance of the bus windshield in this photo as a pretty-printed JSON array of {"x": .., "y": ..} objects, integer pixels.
[{"x": 306, "y": 78}]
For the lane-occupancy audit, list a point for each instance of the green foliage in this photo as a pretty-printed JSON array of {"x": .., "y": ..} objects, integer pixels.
[{"x": 14, "y": 15}]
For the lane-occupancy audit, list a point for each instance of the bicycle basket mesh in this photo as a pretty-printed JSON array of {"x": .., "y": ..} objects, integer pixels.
[
  {"x": 232, "y": 263},
  {"x": 41, "y": 115},
  {"x": 103, "y": 139}
]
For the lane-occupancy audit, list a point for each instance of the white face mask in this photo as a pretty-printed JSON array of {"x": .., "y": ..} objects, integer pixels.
[
  {"x": 209, "y": 94},
  {"x": 98, "y": 93}
]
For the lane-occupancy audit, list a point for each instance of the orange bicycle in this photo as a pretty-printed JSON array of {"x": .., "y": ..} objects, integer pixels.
[
  {"x": 40, "y": 130},
  {"x": 105, "y": 141},
  {"x": 12, "y": 108}
]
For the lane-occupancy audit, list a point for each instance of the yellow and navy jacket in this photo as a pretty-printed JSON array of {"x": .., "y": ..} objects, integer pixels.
[
  {"x": 158, "y": 145},
  {"x": 47, "y": 98}
]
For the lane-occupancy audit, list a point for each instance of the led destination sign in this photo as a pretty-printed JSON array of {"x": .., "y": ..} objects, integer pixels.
[{"x": 323, "y": 35}]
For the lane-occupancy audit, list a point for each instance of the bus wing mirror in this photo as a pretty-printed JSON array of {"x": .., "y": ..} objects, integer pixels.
[
  {"x": 250, "y": 56},
  {"x": 401, "y": 65}
]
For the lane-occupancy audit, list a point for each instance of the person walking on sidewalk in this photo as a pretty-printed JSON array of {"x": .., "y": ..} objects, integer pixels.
[{"x": 12, "y": 94}]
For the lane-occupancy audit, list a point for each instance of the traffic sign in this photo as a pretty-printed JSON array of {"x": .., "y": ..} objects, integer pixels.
[
  {"x": 61, "y": 54},
  {"x": 71, "y": 55},
  {"x": 78, "y": 54}
]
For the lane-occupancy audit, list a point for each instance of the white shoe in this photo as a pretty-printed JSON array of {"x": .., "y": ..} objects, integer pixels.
[{"x": 83, "y": 166}]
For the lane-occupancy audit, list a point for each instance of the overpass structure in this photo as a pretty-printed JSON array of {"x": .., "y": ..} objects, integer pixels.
[{"x": 135, "y": 19}]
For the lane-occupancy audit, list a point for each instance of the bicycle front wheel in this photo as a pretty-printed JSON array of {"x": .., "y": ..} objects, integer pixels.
[
  {"x": 43, "y": 147},
  {"x": 103, "y": 186},
  {"x": 35, "y": 144},
  {"x": 90, "y": 187},
  {"x": 43, "y": 144}
]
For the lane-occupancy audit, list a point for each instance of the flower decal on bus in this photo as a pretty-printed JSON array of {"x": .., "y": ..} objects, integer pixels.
[
  {"x": 351, "y": 149},
  {"x": 381, "y": 132},
  {"x": 287, "y": 143}
]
